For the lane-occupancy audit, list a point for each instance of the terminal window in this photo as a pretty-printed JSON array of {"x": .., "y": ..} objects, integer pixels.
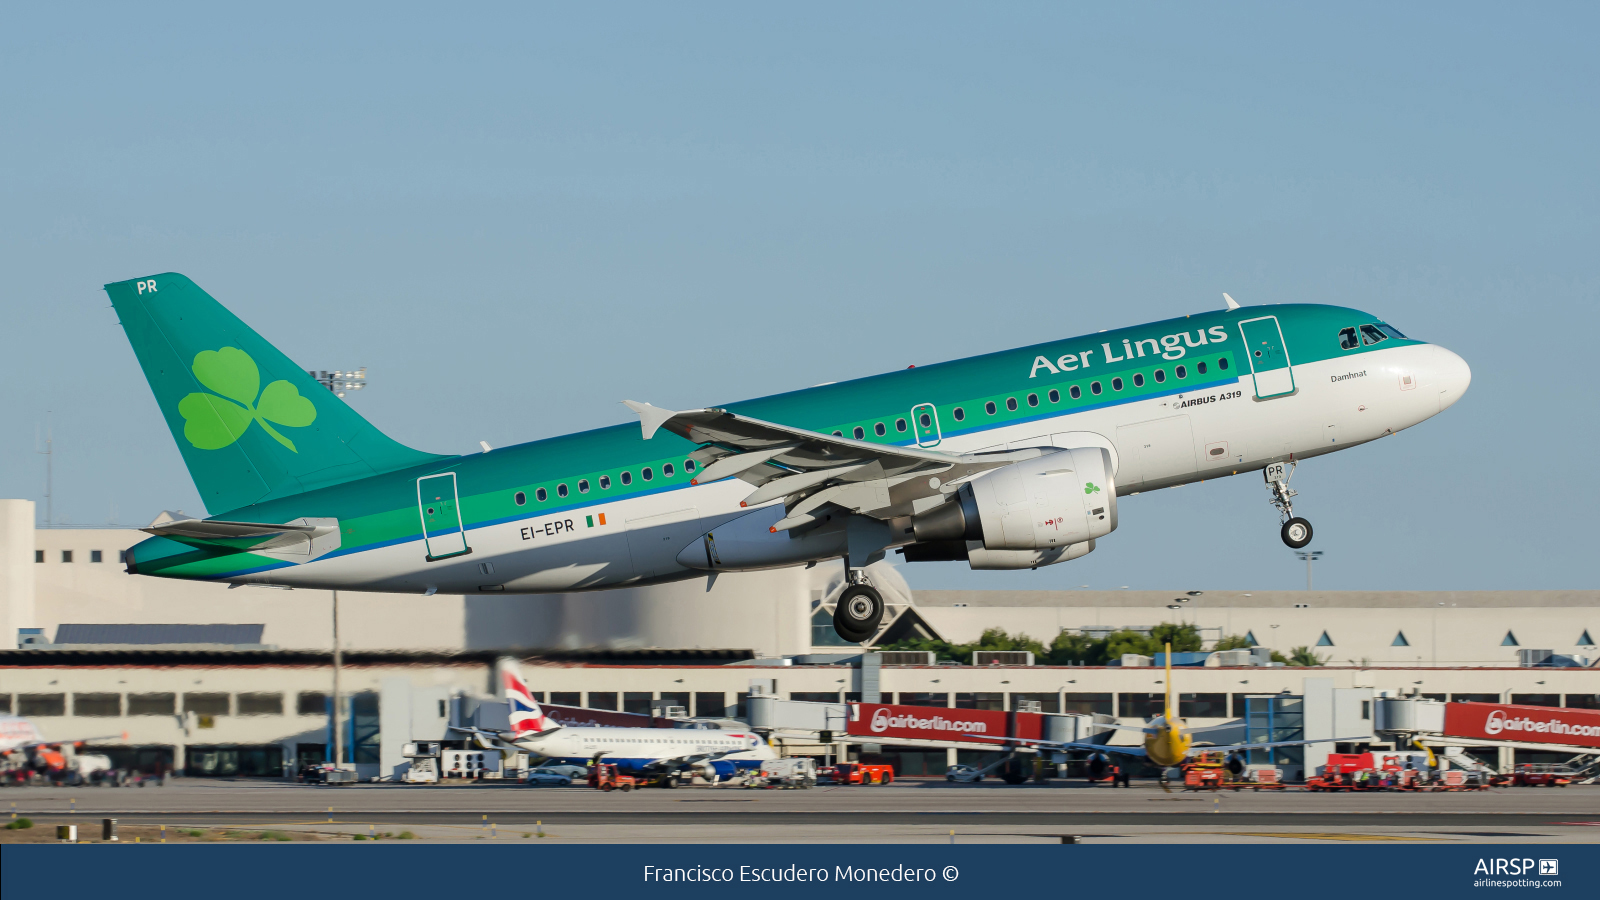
[
  {"x": 260, "y": 704},
  {"x": 5, "y": 704},
  {"x": 66, "y": 556},
  {"x": 1087, "y": 704},
  {"x": 986, "y": 700},
  {"x": 1475, "y": 698},
  {"x": 1583, "y": 701},
  {"x": 1536, "y": 700},
  {"x": 96, "y": 556},
  {"x": 206, "y": 704},
  {"x": 815, "y": 696},
  {"x": 311, "y": 703},
  {"x": 98, "y": 705},
  {"x": 603, "y": 700},
  {"x": 909, "y": 699},
  {"x": 41, "y": 704},
  {"x": 1203, "y": 706},
  {"x": 566, "y": 698},
  {"x": 1047, "y": 702},
  {"x": 710, "y": 703},
  {"x": 152, "y": 704},
  {"x": 1140, "y": 706},
  {"x": 636, "y": 702}
]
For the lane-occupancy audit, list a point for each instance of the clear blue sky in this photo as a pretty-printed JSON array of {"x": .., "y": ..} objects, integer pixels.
[{"x": 516, "y": 218}]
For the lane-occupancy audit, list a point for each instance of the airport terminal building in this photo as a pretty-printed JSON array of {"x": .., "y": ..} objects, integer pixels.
[{"x": 207, "y": 680}]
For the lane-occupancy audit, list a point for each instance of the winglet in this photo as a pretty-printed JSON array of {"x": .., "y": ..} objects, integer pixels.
[
  {"x": 650, "y": 417},
  {"x": 1232, "y": 303}
]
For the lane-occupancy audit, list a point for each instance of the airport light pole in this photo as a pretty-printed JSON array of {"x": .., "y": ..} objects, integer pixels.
[
  {"x": 1310, "y": 556},
  {"x": 338, "y": 709}
]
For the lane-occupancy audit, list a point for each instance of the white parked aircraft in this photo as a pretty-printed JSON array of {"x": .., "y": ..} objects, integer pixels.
[{"x": 712, "y": 753}]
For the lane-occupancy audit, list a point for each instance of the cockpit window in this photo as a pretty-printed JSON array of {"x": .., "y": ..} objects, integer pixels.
[
  {"x": 1347, "y": 339},
  {"x": 1391, "y": 331},
  {"x": 1371, "y": 335}
]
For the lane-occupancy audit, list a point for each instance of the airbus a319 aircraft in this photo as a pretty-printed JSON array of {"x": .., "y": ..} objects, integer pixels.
[
  {"x": 714, "y": 754},
  {"x": 1011, "y": 460}
]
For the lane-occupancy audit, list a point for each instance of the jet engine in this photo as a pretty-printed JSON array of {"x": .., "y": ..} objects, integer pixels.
[
  {"x": 1037, "y": 506},
  {"x": 715, "y": 770},
  {"x": 980, "y": 557}
]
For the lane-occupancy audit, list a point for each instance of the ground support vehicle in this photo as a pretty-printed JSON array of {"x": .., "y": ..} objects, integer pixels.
[
  {"x": 603, "y": 776},
  {"x": 1542, "y": 775},
  {"x": 860, "y": 773},
  {"x": 792, "y": 772},
  {"x": 1457, "y": 780}
]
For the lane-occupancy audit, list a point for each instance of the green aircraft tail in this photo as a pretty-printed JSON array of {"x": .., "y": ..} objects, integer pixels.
[{"x": 251, "y": 424}]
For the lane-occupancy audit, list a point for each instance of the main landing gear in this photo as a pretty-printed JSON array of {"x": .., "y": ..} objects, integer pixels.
[
  {"x": 1296, "y": 532},
  {"x": 859, "y": 610}
]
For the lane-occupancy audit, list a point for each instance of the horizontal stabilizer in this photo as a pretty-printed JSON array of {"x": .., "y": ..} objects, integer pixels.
[{"x": 299, "y": 541}]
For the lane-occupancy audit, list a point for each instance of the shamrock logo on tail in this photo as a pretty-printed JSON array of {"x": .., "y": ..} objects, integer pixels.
[
  {"x": 212, "y": 422},
  {"x": 1090, "y": 487}
]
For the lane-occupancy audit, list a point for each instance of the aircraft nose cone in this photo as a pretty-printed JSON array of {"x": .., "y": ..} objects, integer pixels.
[{"x": 1454, "y": 377}]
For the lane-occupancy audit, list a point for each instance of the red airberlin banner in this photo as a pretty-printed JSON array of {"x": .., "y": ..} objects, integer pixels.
[
  {"x": 1523, "y": 724},
  {"x": 934, "y": 723}
]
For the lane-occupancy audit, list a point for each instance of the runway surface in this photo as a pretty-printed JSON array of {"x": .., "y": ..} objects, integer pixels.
[{"x": 908, "y": 811}]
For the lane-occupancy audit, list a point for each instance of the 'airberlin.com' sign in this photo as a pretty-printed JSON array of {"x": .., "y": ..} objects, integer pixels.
[
  {"x": 927, "y": 723},
  {"x": 1523, "y": 724}
]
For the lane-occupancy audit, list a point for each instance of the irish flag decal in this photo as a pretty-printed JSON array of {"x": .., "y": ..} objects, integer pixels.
[{"x": 592, "y": 522}]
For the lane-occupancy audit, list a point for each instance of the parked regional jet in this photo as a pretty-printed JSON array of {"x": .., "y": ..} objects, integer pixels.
[
  {"x": 1168, "y": 740},
  {"x": 712, "y": 753},
  {"x": 1012, "y": 460}
]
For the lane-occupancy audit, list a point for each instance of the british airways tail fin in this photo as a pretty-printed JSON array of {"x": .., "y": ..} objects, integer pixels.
[{"x": 526, "y": 715}]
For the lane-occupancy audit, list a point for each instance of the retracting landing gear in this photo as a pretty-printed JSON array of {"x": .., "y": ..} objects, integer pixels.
[
  {"x": 1296, "y": 532},
  {"x": 859, "y": 610}
]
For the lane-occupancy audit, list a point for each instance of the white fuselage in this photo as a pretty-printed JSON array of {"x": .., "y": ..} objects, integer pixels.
[
  {"x": 633, "y": 749},
  {"x": 1156, "y": 442}
]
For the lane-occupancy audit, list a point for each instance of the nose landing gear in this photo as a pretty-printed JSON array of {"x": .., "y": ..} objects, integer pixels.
[
  {"x": 858, "y": 611},
  {"x": 1296, "y": 532}
]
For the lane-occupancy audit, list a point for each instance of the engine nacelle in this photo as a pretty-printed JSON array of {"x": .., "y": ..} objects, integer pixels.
[
  {"x": 980, "y": 557},
  {"x": 1048, "y": 503}
]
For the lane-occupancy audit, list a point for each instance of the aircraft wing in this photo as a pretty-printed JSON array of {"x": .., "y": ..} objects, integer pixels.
[
  {"x": 1267, "y": 745},
  {"x": 673, "y": 763},
  {"x": 1062, "y": 745},
  {"x": 809, "y": 469}
]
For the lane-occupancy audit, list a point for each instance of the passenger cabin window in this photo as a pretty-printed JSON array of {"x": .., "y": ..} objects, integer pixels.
[
  {"x": 519, "y": 498},
  {"x": 925, "y": 420},
  {"x": 1033, "y": 399},
  {"x": 1222, "y": 363},
  {"x": 859, "y": 433},
  {"x": 688, "y": 464},
  {"x": 1183, "y": 372},
  {"x": 960, "y": 414},
  {"x": 1094, "y": 388},
  {"x": 583, "y": 486},
  {"x": 647, "y": 474},
  {"x": 1160, "y": 376},
  {"x": 627, "y": 478},
  {"x": 540, "y": 495},
  {"x": 605, "y": 482},
  {"x": 899, "y": 424},
  {"x": 1011, "y": 404},
  {"x": 1076, "y": 392},
  {"x": 1138, "y": 380},
  {"x": 667, "y": 470},
  {"x": 989, "y": 407},
  {"x": 1371, "y": 335},
  {"x": 1055, "y": 396},
  {"x": 1116, "y": 384},
  {"x": 561, "y": 490},
  {"x": 838, "y": 434},
  {"x": 879, "y": 430},
  {"x": 1347, "y": 339},
  {"x": 1199, "y": 367}
]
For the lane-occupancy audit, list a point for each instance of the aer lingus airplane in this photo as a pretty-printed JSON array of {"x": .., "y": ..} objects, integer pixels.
[{"x": 1010, "y": 460}]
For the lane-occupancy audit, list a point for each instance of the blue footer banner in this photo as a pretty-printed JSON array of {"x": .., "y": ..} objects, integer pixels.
[{"x": 244, "y": 872}]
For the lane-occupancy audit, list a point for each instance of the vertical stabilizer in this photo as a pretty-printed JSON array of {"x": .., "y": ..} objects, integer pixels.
[
  {"x": 1168, "y": 708},
  {"x": 250, "y": 423},
  {"x": 526, "y": 715}
]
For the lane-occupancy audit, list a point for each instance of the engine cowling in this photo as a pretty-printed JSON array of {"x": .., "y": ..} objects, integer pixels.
[{"x": 1049, "y": 503}]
